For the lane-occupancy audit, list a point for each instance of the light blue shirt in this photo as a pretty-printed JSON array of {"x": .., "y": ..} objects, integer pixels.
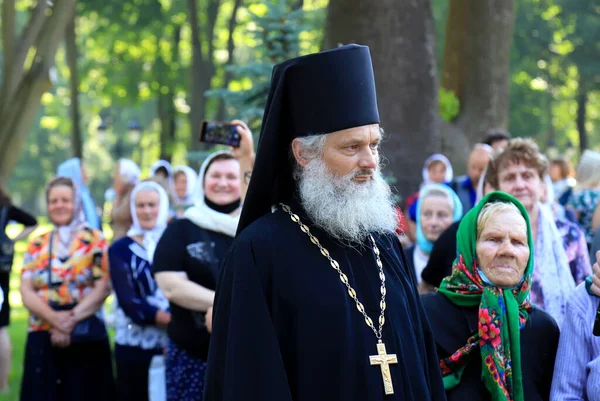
[{"x": 577, "y": 367}]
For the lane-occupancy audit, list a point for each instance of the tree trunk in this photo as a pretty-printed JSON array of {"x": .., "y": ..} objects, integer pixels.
[
  {"x": 22, "y": 88},
  {"x": 230, "y": 57},
  {"x": 71, "y": 47},
  {"x": 167, "y": 113},
  {"x": 407, "y": 89},
  {"x": 582, "y": 99},
  {"x": 198, "y": 74},
  {"x": 168, "y": 125},
  {"x": 203, "y": 67},
  {"x": 476, "y": 69}
]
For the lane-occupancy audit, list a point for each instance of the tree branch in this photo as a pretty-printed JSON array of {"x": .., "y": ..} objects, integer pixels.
[
  {"x": 19, "y": 111},
  {"x": 195, "y": 27},
  {"x": 231, "y": 27},
  {"x": 53, "y": 30},
  {"x": 213, "y": 12},
  {"x": 71, "y": 50},
  {"x": 15, "y": 70}
]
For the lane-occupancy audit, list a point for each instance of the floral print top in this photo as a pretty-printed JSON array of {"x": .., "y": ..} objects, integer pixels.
[
  {"x": 72, "y": 278},
  {"x": 576, "y": 249},
  {"x": 575, "y": 246},
  {"x": 584, "y": 202}
]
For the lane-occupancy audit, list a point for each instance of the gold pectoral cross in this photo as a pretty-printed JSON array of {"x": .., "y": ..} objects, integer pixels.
[{"x": 384, "y": 360}]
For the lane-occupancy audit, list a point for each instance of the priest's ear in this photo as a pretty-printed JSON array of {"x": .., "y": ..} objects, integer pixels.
[{"x": 298, "y": 149}]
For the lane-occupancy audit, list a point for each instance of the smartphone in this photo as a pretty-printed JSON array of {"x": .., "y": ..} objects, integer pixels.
[{"x": 220, "y": 133}]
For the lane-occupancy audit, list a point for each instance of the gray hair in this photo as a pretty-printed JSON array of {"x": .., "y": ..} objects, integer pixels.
[
  {"x": 312, "y": 147},
  {"x": 492, "y": 209}
]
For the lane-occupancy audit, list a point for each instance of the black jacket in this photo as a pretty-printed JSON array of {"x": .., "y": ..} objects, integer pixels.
[{"x": 453, "y": 325}]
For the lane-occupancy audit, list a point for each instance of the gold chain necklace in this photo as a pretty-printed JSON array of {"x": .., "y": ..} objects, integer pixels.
[{"x": 382, "y": 358}]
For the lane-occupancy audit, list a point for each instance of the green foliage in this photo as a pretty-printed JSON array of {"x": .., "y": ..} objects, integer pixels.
[
  {"x": 449, "y": 104},
  {"x": 554, "y": 46},
  {"x": 276, "y": 35}
]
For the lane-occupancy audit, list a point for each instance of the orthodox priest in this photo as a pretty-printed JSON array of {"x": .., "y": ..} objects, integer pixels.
[{"x": 315, "y": 300}]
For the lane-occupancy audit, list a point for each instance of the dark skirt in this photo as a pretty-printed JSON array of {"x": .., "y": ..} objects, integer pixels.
[
  {"x": 132, "y": 372},
  {"x": 79, "y": 372},
  {"x": 184, "y": 375}
]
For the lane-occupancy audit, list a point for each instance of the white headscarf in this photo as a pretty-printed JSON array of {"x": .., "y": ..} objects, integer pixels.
[
  {"x": 151, "y": 236},
  {"x": 205, "y": 217},
  {"x": 77, "y": 221},
  {"x": 159, "y": 164},
  {"x": 129, "y": 170},
  {"x": 441, "y": 158},
  {"x": 191, "y": 176}
]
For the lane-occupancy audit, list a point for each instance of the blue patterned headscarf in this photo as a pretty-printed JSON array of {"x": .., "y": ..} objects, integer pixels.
[{"x": 72, "y": 169}]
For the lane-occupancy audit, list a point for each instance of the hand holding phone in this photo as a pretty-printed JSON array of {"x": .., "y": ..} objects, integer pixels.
[
  {"x": 220, "y": 133},
  {"x": 246, "y": 146}
]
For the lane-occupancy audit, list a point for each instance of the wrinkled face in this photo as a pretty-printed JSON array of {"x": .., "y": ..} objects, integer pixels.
[
  {"x": 61, "y": 205},
  {"x": 522, "y": 182},
  {"x": 437, "y": 172},
  {"x": 353, "y": 151},
  {"x": 222, "y": 182},
  {"x": 181, "y": 185},
  {"x": 435, "y": 216},
  {"x": 147, "y": 206},
  {"x": 478, "y": 161},
  {"x": 502, "y": 249}
]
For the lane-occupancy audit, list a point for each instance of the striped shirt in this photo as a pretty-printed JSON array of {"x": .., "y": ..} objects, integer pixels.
[{"x": 577, "y": 367}]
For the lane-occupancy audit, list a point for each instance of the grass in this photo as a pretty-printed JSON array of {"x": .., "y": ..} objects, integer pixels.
[{"x": 19, "y": 315}]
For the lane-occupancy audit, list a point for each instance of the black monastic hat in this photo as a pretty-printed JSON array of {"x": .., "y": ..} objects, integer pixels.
[{"x": 315, "y": 94}]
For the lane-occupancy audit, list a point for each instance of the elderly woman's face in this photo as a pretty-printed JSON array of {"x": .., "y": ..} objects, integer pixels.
[
  {"x": 522, "y": 182},
  {"x": 502, "y": 248},
  {"x": 147, "y": 207},
  {"x": 436, "y": 216},
  {"x": 61, "y": 205}
]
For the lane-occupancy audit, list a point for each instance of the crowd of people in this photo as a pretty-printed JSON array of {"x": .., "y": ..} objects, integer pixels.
[{"x": 292, "y": 275}]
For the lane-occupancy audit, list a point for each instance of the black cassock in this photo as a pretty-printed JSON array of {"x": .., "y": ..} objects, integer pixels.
[{"x": 286, "y": 329}]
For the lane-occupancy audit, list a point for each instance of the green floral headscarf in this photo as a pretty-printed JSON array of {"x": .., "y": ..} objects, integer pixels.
[{"x": 502, "y": 312}]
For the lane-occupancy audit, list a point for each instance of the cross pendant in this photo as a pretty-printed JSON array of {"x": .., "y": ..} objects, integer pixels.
[{"x": 384, "y": 360}]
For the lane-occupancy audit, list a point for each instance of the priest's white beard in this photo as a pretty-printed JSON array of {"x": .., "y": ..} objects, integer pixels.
[{"x": 347, "y": 210}]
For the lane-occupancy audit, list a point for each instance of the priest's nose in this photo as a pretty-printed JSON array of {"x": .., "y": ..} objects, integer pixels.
[{"x": 368, "y": 160}]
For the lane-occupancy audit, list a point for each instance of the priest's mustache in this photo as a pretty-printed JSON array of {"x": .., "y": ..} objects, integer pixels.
[{"x": 363, "y": 172}]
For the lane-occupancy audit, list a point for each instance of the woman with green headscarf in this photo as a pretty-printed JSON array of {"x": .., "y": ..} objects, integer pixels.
[{"x": 492, "y": 343}]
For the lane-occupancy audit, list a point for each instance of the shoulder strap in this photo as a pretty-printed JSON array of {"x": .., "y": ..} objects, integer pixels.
[{"x": 49, "y": 267}]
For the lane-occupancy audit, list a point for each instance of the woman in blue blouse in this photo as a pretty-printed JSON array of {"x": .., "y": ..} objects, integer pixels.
[{"x": 142, "y": 315}]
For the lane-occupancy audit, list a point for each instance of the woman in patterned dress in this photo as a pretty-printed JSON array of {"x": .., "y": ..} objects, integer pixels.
[{"x": 64, "y": 282}]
